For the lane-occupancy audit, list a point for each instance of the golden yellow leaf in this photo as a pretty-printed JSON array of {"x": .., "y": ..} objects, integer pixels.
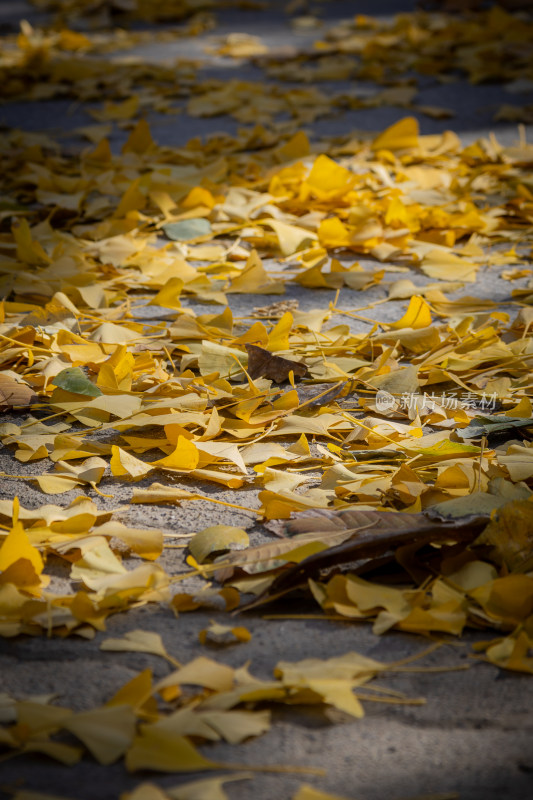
[
  {"x": 98, "y": 561},
  {"x": 510, "y": 531},
  {"x": 137, "y": 641},
  {"x": 124, "y": 463},
  {"x": 254, "y": 279},
  {"x": 17, "y": 546},
  {"x": 291, "y": 237},
  {"x": 327, "y": 178},
  {"x": 117, "y": 111},
  {"x": 26, "y": 794},
  {"x": 41, "y": 717},
  {"x": 402, "y": 135},
  {"x": 107, "y": 732},
  {"x": 168, "y": 296},
  {"x": 417, "y": 316},
  {"x": 215, "y": 539},
  {"x": 296, "y": 147},
  {"x": 512, "y": 652},
  {"x": 200, "y": 671},
  {"x": 146, "y": 791},
  {"x": 207, "y": 789},
  {"x": 157, "y": 493},
  {"x": 136, "y": 693},
  {"x": 185, "y": 457},
  {"x": 28, "y": 250},
  {"x": 140, "y": 139},
  {"x": 157, "y": 749},
  {"x": 145, "y": 542},
  {"x": 56, "y": 484},
  {"x": 64, "y": 753},
  {"x": 224, "y": 634},
  {"x": 306, "y": 792},
  {"x": 447, "y": 266}
]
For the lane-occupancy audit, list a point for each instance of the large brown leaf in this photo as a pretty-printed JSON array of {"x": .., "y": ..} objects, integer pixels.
[
  {"x": 367, "y": 534},
  {"x": 13, "y": 393},
  {"x": 263, "y": 364}
]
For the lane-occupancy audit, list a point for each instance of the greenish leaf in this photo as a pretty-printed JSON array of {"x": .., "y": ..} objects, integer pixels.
[
  {"x": 484, "y": 426},
  {"x": 187, "y": 229},
  {"x": 74, "y": 380},
  {"x": 475, "y": 503}
]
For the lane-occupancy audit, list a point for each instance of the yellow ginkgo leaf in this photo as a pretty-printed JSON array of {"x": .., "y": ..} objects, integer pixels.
[
  {"x": 137, "y": 641},
  {"x": 17, "y": 546},
  {"x": 418, "y": 315},
  {"x": 201, "y": 671},
  {"x": 156, "y": 749},
  {"x": 402, "y": 135},
  {"x": 107, "y": 732},
  {"x": 215, "y": 539},
  {"x": 136, "y": 693},
  {"x": 168, "y": 296},
  {"x": 306, "y": 792},
  {"x": 217, "y": 634},
  {"x": 254, "y": 279},
  {"x": 447, "y": 266},
  {"x": 278, "y": 338},
  {"x": 328, "y": 178},
  {"x": 145, "y": 542},
  {"x": 185, "y": 456},
  {"x": 124, "y": 463}
]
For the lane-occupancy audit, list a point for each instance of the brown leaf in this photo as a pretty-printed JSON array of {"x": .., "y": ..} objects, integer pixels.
[
  {"x": 262, "y": 364},
  {"x": 373, "y": 534},
  {"x": 270, "y": 555},
  {"x": 13, "y": 393},
  {"x": 511, "y": 533}
]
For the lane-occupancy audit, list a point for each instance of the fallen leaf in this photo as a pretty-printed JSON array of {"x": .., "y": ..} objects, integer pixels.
[
  {"x": 138, "y": 641},
  {"x": 14, "y": 393},
  {"x": 217, "y": 634},
  {"x": 216, "y": 539},
  {"x": 75, "y": 381},
  {"x": 155, "y": 748},
  {"x": 106, "y": 732},
  {"x": 262, "y": 364},
  {"x": 187, "y": 230},
  {"x": 510, "y": 531}
]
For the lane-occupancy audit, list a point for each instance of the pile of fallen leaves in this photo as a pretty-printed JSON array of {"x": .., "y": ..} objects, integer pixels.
[
  {"x": 83, "y": 55},
  {"x": 150, "y": 724},
  {"x": 394, "y": 460}
]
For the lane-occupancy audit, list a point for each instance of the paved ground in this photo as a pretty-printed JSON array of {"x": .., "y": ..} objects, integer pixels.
[{"x": 474, "y": 736}]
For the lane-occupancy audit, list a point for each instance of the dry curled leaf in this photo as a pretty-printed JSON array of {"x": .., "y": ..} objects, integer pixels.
[
  {"x": 370, "y": 534},
  {"x": 263, "y": 364},
  {"x": 14, "y": 393},
  {"x": 510, "y": 531}
]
